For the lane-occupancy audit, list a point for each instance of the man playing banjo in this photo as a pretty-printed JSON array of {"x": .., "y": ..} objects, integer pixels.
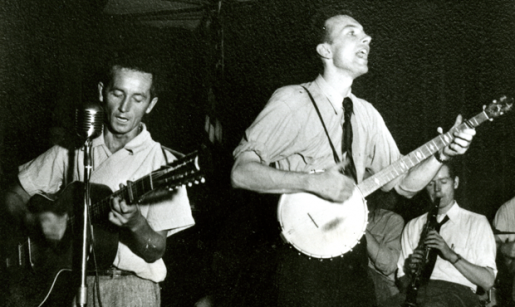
[{"x": 301, "y": 129}]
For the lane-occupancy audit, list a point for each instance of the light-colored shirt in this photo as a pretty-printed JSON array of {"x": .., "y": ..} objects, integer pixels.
[
  {"x": 289, "y": 133},
  {"x": 386, "y": 228},
  {"x": 469, "y": 234},
  {"x": 505, "y": 221},
  {"x": 49, "y": 174}
]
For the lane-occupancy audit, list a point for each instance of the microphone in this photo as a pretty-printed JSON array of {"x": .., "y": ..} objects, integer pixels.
[{"x": 89, "y": 120}]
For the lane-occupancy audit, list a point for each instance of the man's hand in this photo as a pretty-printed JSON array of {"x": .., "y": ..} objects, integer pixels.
[
  {"x": 53, "y": 225},
  {"x": 124, "y": 215},
  {"x": 461, "y": 142},
  {"x": 435, "y": 240},
  {"x": 414, "y": 261},
  {"x": 332, "y": 184}
]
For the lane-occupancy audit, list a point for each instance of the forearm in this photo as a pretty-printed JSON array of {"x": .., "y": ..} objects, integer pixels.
[
  {"x": 144, "y": 241},
  {"x": 419, "y": 176},
  {"x": 261, "y": 178},
  {"x": 481, "y": 276},
  {"x": 15, "y": 201},
  {"x": 508, "y": 250}
]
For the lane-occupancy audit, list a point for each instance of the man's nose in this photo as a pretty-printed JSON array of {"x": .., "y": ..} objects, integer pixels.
[
  {"x": 367, "y": 39},
  {"x": 438, "y": 187},
  {"x": 124, "y": 105}
]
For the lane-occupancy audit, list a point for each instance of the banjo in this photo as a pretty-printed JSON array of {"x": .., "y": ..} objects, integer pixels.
[{"x": 323, "y": 229}]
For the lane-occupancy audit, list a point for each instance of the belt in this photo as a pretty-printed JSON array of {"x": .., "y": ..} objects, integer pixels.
[{"x": 111, "y": 272}]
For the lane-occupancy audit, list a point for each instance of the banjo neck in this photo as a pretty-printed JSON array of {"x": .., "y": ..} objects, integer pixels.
[
  {"x": 403, "y": 165},
  {"x": 319, "y": 228}
]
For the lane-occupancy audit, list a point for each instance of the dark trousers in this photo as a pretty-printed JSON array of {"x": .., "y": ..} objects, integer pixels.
[
  {"x": 342, "y": 281},
  {"x": 439, "y": 293}
]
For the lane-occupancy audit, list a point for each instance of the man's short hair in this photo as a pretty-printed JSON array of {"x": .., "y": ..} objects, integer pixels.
[
  {"x": 134, "y": 60},
  {"x": 452, "y": 169},
  {"x": 318, "y": 30}
]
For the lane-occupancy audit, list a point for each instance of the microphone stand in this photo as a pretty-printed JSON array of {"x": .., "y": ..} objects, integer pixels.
[{"x": 82, "y": 297}]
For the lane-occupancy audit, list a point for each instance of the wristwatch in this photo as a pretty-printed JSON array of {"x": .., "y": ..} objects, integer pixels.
[
  {"x": 457, "y": 259},
  {"x": 438, "y": 157}
]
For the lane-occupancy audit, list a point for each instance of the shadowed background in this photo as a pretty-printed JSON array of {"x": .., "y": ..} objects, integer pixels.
[{"x": 429, "y": 61}]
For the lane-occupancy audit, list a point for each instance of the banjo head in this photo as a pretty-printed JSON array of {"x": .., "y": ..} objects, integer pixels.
[{"x": 320, "y": 228}]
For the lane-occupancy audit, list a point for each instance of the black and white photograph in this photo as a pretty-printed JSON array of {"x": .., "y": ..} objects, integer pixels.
[{"x": 277, "y": 153}]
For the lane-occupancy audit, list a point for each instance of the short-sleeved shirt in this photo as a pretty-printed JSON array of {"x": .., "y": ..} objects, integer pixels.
[
  {"x": 467, "y": 233},
  {"x": 49, "y": 173},
  {"x": 288, "y": 132},
  {"x": 505, "y": 221},
  {"x": 386, "y": 227}
]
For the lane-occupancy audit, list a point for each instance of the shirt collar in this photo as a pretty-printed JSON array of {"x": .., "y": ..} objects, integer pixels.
[
  {"x": 332, "y": 95},
  {"x": 135, "y": 145},
  {"x": 453, "y": 213},
  {"x": 138, "y": 143}
]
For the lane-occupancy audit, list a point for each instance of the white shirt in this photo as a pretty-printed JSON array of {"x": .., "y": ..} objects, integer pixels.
[{"x": 469, "y": 234}]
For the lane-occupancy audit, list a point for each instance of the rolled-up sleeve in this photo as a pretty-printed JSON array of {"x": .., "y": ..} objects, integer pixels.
[
  {"x": 46, "y": 173},
  {"x": 274, "y": 133}
]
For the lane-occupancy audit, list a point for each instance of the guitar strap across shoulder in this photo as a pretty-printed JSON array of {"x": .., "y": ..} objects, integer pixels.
[{"x": 335, "y": 154}]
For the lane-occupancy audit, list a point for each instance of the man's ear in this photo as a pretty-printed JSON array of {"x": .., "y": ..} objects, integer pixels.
[
  {"x": 324, "y": 51},
  {"x": 100, "y": 91},
  {"x": 456, "y": 182},
  {"x": 151, "y": 105}
]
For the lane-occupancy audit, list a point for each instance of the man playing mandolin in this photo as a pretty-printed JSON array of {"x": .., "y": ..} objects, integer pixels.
[
  {"x": 124, "y": 152},
  {"x": 298, "y": 139}
]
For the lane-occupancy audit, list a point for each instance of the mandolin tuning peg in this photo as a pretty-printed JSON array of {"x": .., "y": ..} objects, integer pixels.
[
  {"x": 484, "y": 107},
  {"x": 202, "y": 180},
  {"x": 491, "y": 119},
  {"x": 196, "y": 182},
  {"x": 190, "y": 184}
]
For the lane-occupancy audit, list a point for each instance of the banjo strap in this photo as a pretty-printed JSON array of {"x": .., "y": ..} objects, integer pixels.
[{"x": 335, "y": 155}]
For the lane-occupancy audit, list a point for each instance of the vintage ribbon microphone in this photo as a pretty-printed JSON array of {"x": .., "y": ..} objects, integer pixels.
[{"x": 89, "y": 122}]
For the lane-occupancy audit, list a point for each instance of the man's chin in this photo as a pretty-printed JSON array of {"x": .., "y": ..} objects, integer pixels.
[{"x": 361, "y": 72}]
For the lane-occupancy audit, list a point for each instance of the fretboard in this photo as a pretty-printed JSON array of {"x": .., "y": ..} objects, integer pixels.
[
  {"x": 415, "y": 157},
  {"x": 172, "y": 175}
]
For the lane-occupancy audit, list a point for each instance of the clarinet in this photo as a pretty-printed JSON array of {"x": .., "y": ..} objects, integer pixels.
[{"x": 416, "y": 278}]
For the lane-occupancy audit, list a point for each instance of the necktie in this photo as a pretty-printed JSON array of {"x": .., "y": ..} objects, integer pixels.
[
  {"x": 350, "y": 170},
  {"x": 430, "y": 265}
]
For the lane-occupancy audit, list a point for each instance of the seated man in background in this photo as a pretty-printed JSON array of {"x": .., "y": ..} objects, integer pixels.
[
  {"x": 124, "y": 151},
  {"x": 465, "y": 249},
  {"x": 504, "y": 221},
  {"x": 383, "y": 234}
]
